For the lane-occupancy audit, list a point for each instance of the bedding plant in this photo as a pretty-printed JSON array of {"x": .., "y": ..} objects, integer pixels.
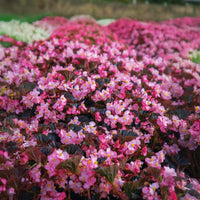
[{"x": 85, "y": 115}]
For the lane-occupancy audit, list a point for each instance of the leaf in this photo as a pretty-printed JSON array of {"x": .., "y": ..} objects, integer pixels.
[
  {"x": 181, "y": 161},
  {"x": 153, "y": 171},
  {"x": 122, "y": 163},
  {"x": 109, "y": 172},
  {"x": 169, "y": 161},
  {"x": 139, "y": 99},
  {"x": 4, "y": 173},
  {"x": 194, "y": 193},
  {"x": 34, "y": 153},
  {"x": 100, "y": 105},
  {"x": 101, "y": 160},
  {"x": 26, "y": 114},
  {"x": 154, "y": 116},
  {"x": 67, "y": 74},
  {"x": 42, "y": 138},
  {"x": 89, "y": 103},
  {"x": 75, "y": 127},
  {"x": 70, "y": 164},
  {"x": 107, "y": 80},
  {"x": 69, "y": 97},
  {"x": 84, "y": 118},
  {"x": 102, "y": 111},
  {"x": 26, "y": 87},
  {"x": 2, "y": 159},
  {"x": 73, "y": 149},
  {"x": 190, "y": 98},
  {"x": 126, "y": 136},
  {"x": 130, "y": 187},
  {"x": 182, "y": 114},
  {"x": 100, "y": 82},
  {"x": 125, "y": 133},
  {"x": 54, "y": 137},
  {"x": 28, "y": 195},
  {"x": 46, "y": 150},
  {"x": 5, "y": 44},
  {"x": 186, "y": 75},
  {"x": 12, "y": 147},
  {"x": 184, "y": 162}
]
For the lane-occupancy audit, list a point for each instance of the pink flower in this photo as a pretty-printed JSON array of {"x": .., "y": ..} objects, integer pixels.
[
  {"x": 171, "y": 149},
  {"x": 108, "y": 153},
  {"x": 60, "y": 103},
  {"x": 166, "y": 95},
  {"x": 171, "y": 195},
  {"x": 98, "y": 116},
  {"x": 188, "y": 197},
  {"x": 24, "y": 158},
  {"x": 153, "y": 161},
  {"x": 144, "y": 151},
  {"x": 87, "y": 179},
  {"x": 3, "y": 184},
  {"x": 105, "y": 188},
  {"x": 168, "y": 177},
  {"x": 195, "y": 128},
  {"x": 132, "y": 146},
  {"x": 54, "y": 159},
  {"x": 134, "y": 166},
  {"x": 163, "y": 122},
  {"x": 176, "y": 90},
  {"x": 35, "y": 173},
  {"x": 68, "y": 137},
  {"x": 161, "y": 156}
]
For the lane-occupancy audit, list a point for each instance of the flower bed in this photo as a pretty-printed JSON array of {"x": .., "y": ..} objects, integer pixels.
[
  {"x": 157, "y": 40},
  {"x": 84, "y": 115}
]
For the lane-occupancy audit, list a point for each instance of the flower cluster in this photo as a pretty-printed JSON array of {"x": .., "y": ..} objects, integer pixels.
[
  {"x": 22, "y": 31},
  {"x": 82, "y": 114},
  {"x": 156, "y": 40}
]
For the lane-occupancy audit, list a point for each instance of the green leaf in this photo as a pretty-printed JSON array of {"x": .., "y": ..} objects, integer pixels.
[
  {"x": 5, "y": 44},
  {"x": 109, "y": 172},
  {"x": 70, "y": 164}
]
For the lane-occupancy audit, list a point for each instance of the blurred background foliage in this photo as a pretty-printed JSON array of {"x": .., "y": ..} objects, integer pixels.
[{"x": 149, "y": 10}]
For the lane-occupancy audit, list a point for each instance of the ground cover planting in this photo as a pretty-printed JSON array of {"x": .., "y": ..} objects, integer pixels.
[{"x": 101, "y": 112}]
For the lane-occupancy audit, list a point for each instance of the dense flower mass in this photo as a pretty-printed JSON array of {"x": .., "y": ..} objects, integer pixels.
[
  {"x": 22, "y": 31},
  {"x": 157, "y": 40},
  {"x": 86, "y": 114}
]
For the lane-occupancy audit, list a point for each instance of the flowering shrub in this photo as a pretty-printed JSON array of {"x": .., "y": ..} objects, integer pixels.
[
  {"x": 22, "y": 31},
  {"x": 83, "y": 116}
]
